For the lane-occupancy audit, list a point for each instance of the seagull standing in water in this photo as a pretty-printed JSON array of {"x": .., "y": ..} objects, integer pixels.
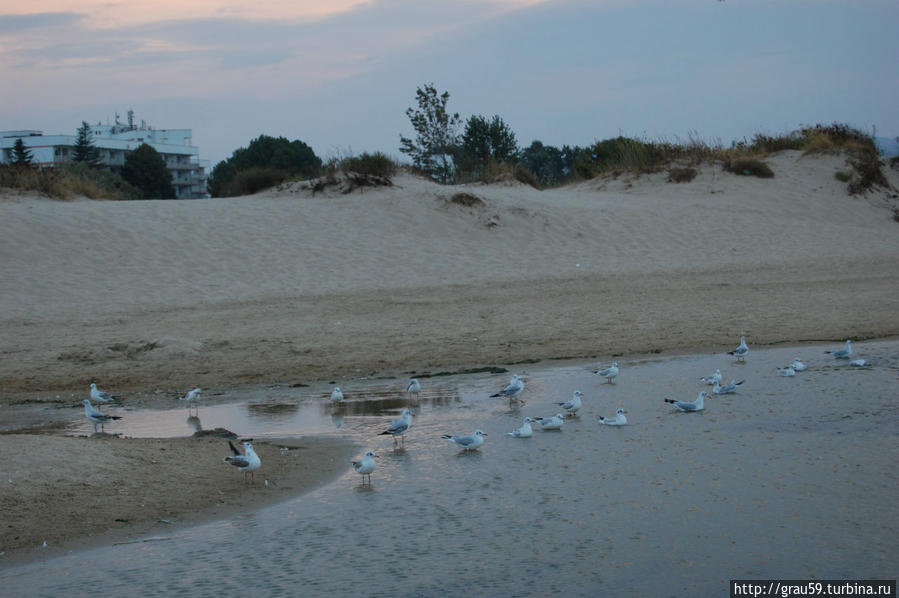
[
  {"x": 716, "y": 377},
  {"x": 399, "y": 427},
  {"x": 618, "y": 420},
  {"x": 414, "y": 388},
  {"x": 95, "y": 416},
  {"x": 843, "y": 353},
  {"x": 100, "y": 396},
  {"x": 687, "y": 406},
  {"x": 513, "y": 390},
  {"x": 336, "y": 395},
  {"x": 610, "y": 373},
  {"x": 573, "y": 404},
  {"x": 728, "y": 388},
  {"x": 365, "y": 466},
  {"x": 248, "y": 463},
  {"x": 468, "y": 443},
  {"x": 192, "y": 396},
  {"x": 741, "y": 351}
]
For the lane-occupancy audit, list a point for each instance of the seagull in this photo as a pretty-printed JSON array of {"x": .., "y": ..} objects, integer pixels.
[
  {"x": 516, "y": 385},
  {"x": 843, "y": 353},
  {"x": 741, "y": 351},
  {"x": 365, "y": 466},
  {"x": 609, "y": 373},
  {"x": 697, "y": 405},
  {"x": 727, "y": 389},
  {"x": 860, "y": 363},
  {"x": 551, "y": 423},
  {"x": 96, "y": 416},
  {"x": 798, "y": 366},
  {"x": 572, "y": 405},
  {"x": 525, "y": 431},
  {"x": 716, "y": 377},
  {"x": 414, "y": 387},
  {"x": 192, "y": 396},
  {"x": 468, "y": 443},
  {"x": 399, "y": 427},
  {"x": 100, "y": 396},
  {"x": 248, "y": 463},
  {"x": 786, "y": 371},
  {"x": 336, "y": 395},
  {"x": 618, "y": 420}
]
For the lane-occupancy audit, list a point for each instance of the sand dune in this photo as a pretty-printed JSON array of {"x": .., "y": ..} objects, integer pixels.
[{"x": 294, "y": 285}]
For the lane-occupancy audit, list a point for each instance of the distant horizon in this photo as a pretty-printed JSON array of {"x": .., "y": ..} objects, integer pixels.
[{"x": 340, "y": 75}]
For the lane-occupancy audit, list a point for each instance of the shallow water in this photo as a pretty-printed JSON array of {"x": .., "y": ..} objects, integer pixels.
[{"x": 789, "y": 478}]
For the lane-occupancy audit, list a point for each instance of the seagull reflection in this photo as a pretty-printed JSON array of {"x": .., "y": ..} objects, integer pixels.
[{"x": 194, "y": 422}]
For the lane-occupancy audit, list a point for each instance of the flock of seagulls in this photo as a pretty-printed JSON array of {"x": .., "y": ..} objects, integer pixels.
[{"x": 248, "y": 461}]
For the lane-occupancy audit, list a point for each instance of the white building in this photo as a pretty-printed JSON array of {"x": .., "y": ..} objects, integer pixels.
[{"x": 113, "y": 142}]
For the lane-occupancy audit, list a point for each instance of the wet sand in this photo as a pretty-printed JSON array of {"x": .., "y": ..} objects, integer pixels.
[{"x": 790, "y": 478}]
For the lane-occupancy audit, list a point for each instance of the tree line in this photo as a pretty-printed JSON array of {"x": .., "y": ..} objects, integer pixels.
[{"x": 144, "y": 174}]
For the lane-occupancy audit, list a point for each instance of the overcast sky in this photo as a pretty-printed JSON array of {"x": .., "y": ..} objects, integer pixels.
[{"x": 339, "y": 74}]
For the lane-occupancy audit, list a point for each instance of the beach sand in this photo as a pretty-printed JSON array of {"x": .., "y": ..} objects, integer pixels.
[{"x": 152, "y": 298}]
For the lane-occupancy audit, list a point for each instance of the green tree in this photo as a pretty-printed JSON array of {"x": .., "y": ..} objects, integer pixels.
[
  {"x": 145, "y": 169},
  {"x": 549, "y": 164},
  {"x": 21, "y": 156},
  {"x": 85, "y": 151},
  {"x": 485, "y": 141},
  {"x": 274, "y": 155},
  {"x": 436, "y": 137}
]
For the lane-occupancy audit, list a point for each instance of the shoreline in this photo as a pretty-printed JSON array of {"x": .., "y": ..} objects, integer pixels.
[{"x": 123, "y": 489}]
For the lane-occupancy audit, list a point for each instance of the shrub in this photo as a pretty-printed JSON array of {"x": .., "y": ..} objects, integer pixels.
[
  {"x": 376, "y": 164},
  {"x": 866, "y": 164},
  {"x": 65, "y": 181},
  {"x": 681, "y": 175},
  {"x": 749, "y": 167},
  {"x": 841, "y": 176},
  {"x": 253, "y": 180},
  {"x": 467, "y": 200}
]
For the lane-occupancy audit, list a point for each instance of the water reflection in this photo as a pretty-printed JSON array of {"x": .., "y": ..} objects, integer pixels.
[{"x": 284, "y": 411}]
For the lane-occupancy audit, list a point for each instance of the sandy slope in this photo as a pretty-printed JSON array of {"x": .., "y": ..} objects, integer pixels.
[{"x": 289, "y": 285}]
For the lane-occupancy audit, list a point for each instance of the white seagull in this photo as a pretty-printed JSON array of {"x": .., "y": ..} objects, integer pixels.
[
  {"x": 728, "y": 388},
  {"x": 551, "y": 423},
  {"x": 697, "y": 405},
  {"x": 95, "y": 416},
  {"x": 741, "y": 351},
  {"x": 248, "y": 463},
  {"x": 468, "y": 443},
  {"x": 860, "y": 363},
  {"x": 100, "y": 396},
  {"x": 716, "y": 377},
  {"x": 336, "y": 395},
  {"x": 798, "y": 366},
  {"x": 787, "y": 371},
  {"x": 525, "y": 431},
  {"x": 192, "y": 396},
  {"x": 573, "y": 404},
  {"x": 843, "y": 353},
  {"x": 414, "y": 387},
  {"x": 618, "y": 420},
  {"x": 365, "y": 466},
  {"x": 399, "y": 427},
  {"x": 609, "y": 373},
  {"x": 516, "y": 385}
]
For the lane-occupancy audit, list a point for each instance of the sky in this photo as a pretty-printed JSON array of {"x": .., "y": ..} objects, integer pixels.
[{"x": 340, "y": 74}]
